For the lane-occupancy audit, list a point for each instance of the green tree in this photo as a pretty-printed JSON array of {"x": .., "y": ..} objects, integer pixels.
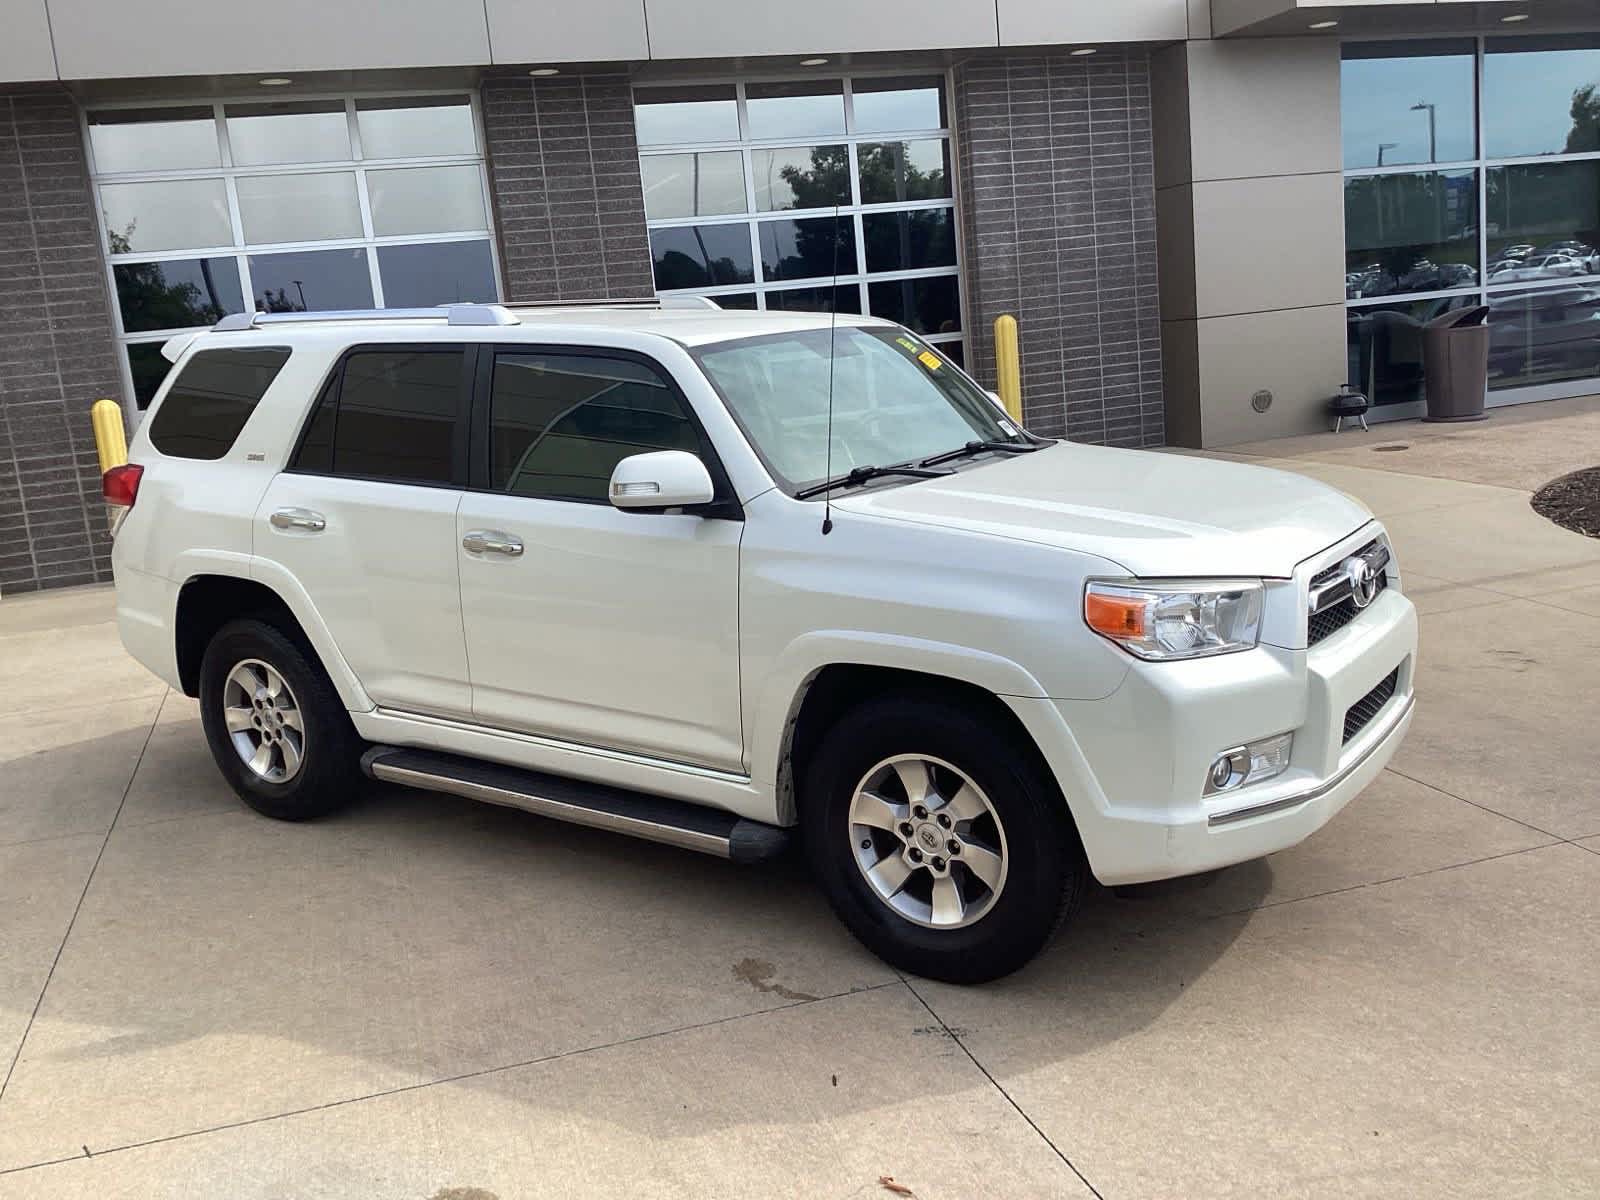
[{"x": 1585, "y": 133}]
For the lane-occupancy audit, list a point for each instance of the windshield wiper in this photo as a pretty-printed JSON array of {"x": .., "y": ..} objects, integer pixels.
[
  {"x": 856, "y": 476},
  {"x": 972, "y": 448}
]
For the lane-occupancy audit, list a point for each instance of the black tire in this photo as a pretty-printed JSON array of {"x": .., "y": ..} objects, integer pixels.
[
  {"x": 1046, "y": 871},
  {"x": 328, "y": 775}
]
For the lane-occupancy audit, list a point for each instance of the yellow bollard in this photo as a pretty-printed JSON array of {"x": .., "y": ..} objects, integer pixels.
[
  {"x": 1008, "y": 365},
  {"x": 109, "y": 438}
]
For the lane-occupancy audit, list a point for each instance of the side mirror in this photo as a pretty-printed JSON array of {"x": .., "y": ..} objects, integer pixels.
[{"x": 661, "y": 479}]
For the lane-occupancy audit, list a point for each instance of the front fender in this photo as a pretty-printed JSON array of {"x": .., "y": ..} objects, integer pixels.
[{"x": 784, "y": 689}]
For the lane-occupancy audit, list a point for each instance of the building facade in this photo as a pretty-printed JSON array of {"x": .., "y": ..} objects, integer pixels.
[{"x": 1207, "y": 215}]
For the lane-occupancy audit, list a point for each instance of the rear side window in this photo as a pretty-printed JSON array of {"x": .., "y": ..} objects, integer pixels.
[
  {"x": 388, "y": 414},
  {"x": 558, "y": 423},
  {"x": 211, "y": 399}
]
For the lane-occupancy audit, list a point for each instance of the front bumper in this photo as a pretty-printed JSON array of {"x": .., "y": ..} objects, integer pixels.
[{"x": 1132, "y": 766}]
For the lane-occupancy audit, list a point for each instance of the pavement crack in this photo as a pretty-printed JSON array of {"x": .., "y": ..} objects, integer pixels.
[
  {"x": 956, "y": 1036},
  {"x": 1480, "y": 807},
  {"x": 78, "y": 907}
]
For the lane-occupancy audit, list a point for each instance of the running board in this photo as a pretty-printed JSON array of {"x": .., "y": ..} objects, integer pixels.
[{"x": 637, "y": 814}]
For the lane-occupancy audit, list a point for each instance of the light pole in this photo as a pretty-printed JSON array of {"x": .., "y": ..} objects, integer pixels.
[
  {"x": 1382, "y": 146},
  {"x": 1433, "y": 132}
]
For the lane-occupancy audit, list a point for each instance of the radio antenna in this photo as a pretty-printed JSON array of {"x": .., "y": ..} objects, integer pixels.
[{"x": 833, "y": 325}]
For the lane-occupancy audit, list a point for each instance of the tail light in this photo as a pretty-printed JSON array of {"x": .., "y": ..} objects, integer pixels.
[{"x": 120, "y": 487}]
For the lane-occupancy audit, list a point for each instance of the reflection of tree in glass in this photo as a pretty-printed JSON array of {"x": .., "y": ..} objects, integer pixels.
[
  {"x": 827, "y": 182},
  {"x": 143, "y": 291},
  {"x": 675, "y": 269},
  {"x": 1585, "y": 133},
  {"x": 889, "y": 174},
  {"x": 279, "y": 301}
]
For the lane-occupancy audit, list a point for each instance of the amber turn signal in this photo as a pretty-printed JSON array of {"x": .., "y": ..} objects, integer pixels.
[{"x": 1117, "y": 617}]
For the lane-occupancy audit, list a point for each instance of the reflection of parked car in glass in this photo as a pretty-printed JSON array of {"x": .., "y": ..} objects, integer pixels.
[
  {"x": 1541, "y": 336},
  {"x": 1539, "y": 266}
]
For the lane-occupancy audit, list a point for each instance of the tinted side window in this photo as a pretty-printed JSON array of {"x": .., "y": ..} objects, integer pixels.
[
  {"x": 211, "y": 400},
  {"x": 558, "y": 423},
  {"x": 395, "y": 417}
]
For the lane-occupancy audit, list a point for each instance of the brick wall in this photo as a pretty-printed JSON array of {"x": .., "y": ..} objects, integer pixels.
[
  {"x": 57, "y": 355},
  {"x": 564, "y": 168},
  {"x": 1058, "y": 200}
]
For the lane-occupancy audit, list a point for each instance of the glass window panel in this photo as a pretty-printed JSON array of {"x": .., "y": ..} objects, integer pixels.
[
  {"x": 744, "y": 300},
  {"x": 1541, "y": 96},
  {"x": 398, "y": 411},
  {"x": 931, "y": 305},
  {"x": 693, "y": 185},
  {"x": 432, "y": 273},
  {"x": 426, "y": 200},
  {"x": 900, "y": 171},
  {"x": 148, "y": 367},
  {"x": 701, "y": 256},
  {"x": 954, "y": 351},
  {"x": 1544, "y": 220},
  {"x": 154, "y": 139},
  {"x": 299, "y": 208},
  {"x": 178, "y": 293},
  {"x": 1544, "y": 336},
  {"x": 315, "y": 454},
  {"x": 210, "y": 402},
  {"x": 415, "y": 126},
  {"x": 808, "y": 248},
  {"x": 669, "y": 116},
  {"x": 559, "y": 424},
  {"x": 814, "y": 108},
  {"x": 1407, "y": 102},
  {"x": 298, "y": 131},
  {"x": 1383, "y": 343},
  {"x": 169, "y": 214},
  {"x": 1410, "y": 233},
  {"x": 311, "y": 280},
  {"x": 845, "y": 298},
  {"x": 889, "y": 105},
  {"x": 906, "y": 241},
  {"x": 801, "y": 177}
]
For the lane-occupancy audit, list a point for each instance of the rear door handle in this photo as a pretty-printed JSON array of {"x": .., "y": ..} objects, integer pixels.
[
  {"x": 298, "y": 518},
  {"x": 492, "y": 541}
]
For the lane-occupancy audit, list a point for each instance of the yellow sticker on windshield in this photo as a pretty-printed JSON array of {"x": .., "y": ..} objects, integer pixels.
[{"x": 930, "y": 360}]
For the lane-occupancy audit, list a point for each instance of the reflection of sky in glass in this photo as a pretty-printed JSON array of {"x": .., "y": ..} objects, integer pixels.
[
  {"x": 668, "y": 124},
  {"x": 899, "y": 109},
  {"x": 1527, "y": 99},
  {"x": 1376, "y": 95}
]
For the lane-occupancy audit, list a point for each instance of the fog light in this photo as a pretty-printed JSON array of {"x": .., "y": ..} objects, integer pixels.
[{"x": 1253, "y": 763}]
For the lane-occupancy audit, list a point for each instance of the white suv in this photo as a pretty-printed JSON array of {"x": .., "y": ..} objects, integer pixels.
[{"x": 714, "y": 577}]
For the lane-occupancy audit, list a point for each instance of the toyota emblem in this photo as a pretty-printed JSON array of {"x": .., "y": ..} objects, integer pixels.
[{"x": 1363, "y": 577}]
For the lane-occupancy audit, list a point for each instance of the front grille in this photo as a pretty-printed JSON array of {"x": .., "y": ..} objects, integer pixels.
[
  {"x": 1363, "y": 710},
  {"x": 1334, "y": 618},
  {"x": 1331, "y": 620}
]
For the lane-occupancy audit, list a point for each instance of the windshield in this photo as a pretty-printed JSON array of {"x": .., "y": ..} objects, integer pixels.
[{"x": 894, "y": 400}]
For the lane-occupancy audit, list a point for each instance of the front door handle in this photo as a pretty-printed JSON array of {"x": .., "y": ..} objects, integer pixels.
[
  {"x": 492, "y": 541},
  {"x": 298, "y": 518}
]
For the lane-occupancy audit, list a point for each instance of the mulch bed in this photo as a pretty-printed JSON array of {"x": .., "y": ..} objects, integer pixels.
[{"x": 1572, "y": 502}]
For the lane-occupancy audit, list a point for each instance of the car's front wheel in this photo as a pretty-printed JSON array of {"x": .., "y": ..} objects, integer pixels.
[
  {"x": 939, "y": 838},
  {"x": 276, "y": 727}
]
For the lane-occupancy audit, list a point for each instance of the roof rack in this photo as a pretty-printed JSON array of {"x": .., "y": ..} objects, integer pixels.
[
  {"x": 625, "y": 302},
  {"x": 450, "y": 314}
]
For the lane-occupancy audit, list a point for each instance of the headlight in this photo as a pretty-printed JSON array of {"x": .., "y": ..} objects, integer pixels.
[{"x": 1176, "y": 620}]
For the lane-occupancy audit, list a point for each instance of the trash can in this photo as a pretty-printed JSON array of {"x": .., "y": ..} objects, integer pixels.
[{"x": 1455, "y": 364}]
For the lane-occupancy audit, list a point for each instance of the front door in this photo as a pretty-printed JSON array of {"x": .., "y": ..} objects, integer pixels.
[
  {"x": 585, "y": 623},
  {"x": 365, "y": 520}
]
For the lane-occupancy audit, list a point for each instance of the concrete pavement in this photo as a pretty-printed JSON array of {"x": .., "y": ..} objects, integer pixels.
[{"x": 432, "y": 1000}]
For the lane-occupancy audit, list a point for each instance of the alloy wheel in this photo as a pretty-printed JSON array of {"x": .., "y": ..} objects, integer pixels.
[
  {"x": 928, "y": 841},
  {"x": 264, "y": 721}
]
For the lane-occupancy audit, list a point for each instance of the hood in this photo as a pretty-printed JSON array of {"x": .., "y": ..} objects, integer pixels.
[{"x": 1154, "y": 514}]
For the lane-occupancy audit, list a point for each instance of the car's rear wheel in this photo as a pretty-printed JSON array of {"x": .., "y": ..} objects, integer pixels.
[
  {"x": 276, "y": 727},
  {"x": 941, "y": 840}
]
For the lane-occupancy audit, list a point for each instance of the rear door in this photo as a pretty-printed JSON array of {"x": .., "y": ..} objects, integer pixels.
[{"x": 365, "y": 519}]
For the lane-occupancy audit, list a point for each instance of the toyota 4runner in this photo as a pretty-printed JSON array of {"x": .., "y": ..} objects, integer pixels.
[{"x": 716, "y": 578}]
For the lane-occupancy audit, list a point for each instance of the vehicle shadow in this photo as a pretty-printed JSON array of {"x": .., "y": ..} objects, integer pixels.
[{"x": 417, "y": 937}]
